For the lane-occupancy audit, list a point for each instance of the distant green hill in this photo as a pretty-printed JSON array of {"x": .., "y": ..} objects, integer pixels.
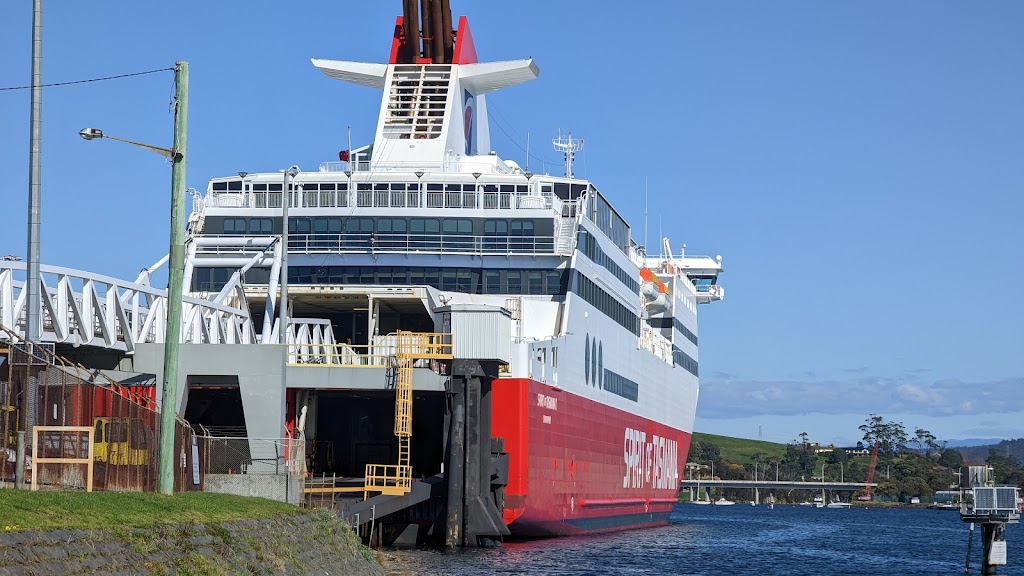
[
  {"x": 742, "y": 449},
  {"x": 978, "y": 454}
]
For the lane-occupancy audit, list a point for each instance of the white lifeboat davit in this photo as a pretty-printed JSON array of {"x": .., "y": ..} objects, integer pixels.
[{"x": 654, "y": 292}]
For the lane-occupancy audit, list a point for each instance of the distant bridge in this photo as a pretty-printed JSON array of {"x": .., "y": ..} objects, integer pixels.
[
  {"x": 778, "y": 484},
  {"x": 758, "y": 485}
]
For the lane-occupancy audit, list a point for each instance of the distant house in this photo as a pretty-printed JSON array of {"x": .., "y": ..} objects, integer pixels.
[{"x": 858, "y": 450}]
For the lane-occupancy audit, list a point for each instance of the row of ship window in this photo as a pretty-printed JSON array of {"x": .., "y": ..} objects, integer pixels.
[
  {"x": 609, "y": 221},
  {"x": 363, "y": 225},
  {"x": 677, "y": 324},
  {"x": 606, "y": 303},
  {"x": 591, "y": 249},
  {"x": 236, "y": 186},
  {"x": 564, "y": 190},
  {"x": 621, "y": 386},
  {"x": 683, "y": 359},
  {"x": 469, "y": 281}
]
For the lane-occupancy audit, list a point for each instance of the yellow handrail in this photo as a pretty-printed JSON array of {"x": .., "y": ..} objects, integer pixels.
[{"x": 396, "y": 479}]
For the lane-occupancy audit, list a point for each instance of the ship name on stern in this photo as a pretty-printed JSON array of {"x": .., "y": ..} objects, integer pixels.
[
  {"x": 549, "y": 402},
  {"x": 649, "y": 463}
]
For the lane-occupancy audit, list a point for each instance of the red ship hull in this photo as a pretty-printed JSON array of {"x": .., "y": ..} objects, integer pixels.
[{"x": 578, "y": 466}]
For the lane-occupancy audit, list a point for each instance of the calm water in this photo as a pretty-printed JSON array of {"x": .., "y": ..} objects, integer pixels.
[{"x": 741, "y": 539}]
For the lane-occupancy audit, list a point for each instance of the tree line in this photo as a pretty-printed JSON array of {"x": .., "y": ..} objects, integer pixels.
[{"x": 907, "y": 466}]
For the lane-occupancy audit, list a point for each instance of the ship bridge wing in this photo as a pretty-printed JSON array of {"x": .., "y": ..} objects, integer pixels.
[
  {"x": 703, "y": 272},
  {"x": 361, "y": 73},
  {"x": 490, "y": 76}
]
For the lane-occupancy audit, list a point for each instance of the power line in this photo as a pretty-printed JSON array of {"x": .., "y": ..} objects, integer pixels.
[
  {"x": 517, "y": 139},
  {"x": 90, "y": 80}
]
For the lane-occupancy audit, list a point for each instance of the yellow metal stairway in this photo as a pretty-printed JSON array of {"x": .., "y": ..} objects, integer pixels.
[{"x": 396, "y": 479}]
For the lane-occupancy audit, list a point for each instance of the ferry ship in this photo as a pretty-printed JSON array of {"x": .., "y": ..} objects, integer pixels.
[{"x": 591, "y": 412}]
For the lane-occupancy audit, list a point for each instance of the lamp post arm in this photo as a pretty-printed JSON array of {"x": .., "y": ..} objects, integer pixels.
[{"x": 169, "y": 154}]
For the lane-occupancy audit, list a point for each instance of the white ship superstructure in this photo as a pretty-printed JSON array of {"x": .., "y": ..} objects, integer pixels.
[{"x": 427, "y": 218}]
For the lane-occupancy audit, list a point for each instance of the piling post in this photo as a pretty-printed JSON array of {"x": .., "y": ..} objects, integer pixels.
[
  {"x": 19, "y": 462},
  {"x": 454, "y": 469}
]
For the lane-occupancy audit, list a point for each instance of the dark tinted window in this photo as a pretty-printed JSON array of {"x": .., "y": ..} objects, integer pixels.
[{"x": 234, "y": 226}]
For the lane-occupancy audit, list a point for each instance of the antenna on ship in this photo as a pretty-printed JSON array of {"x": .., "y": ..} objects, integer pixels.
[
  {"x": 645, "y": 216},
  {"x": 527, "y": 151},
  {"x": 568, "y": 147}
]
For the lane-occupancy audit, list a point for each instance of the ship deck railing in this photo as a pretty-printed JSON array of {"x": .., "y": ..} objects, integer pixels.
[
  {"x": 349, "y": 356},
  {"x": 383, "y": 199},
  {"x": 363, "y": 242},
  {"x": 652, "y": 341}
]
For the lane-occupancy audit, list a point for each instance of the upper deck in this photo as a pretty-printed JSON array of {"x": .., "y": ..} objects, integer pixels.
[{"x": 507, "y": 211}]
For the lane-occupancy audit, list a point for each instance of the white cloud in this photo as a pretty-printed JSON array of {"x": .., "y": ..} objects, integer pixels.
[{"x": 730, "y": 398}]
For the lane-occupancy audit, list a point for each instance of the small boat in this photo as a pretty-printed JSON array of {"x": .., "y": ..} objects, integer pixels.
[
  {"x": 723, "y": 502},
  {"x": 837, "y": 504},
  {"x": 819, "y": 502}
]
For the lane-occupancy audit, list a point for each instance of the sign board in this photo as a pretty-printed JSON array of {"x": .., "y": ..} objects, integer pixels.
[
  {"x": 997, "y": 554},
  {"x": 195, "y": 462}
]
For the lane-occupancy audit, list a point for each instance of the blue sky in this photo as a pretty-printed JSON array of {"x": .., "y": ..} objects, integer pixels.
[{"x": 857, "y": 165}]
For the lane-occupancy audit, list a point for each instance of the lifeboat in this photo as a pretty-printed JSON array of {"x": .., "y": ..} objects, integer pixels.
[{"x": 654, "y": 292}]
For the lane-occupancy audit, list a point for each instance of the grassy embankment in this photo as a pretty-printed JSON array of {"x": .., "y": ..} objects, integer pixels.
[
  {"x": 185, "y": 534},
  {"x": 39, "y": 511},
  {"x": 741, "y": 449}
]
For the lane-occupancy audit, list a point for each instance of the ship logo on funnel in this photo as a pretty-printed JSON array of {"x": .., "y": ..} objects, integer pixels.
[{"x": 469, "y": 121}]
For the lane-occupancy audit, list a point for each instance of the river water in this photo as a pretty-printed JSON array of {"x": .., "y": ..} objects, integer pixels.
[{"x": 742, "y": 539}]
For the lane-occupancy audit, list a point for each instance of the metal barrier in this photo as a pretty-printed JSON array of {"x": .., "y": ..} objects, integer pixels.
[
  {"x": 244, "y": 455},
  {"x": 272, "y": 468},
  {"x": 123, "y": 420},
  {"x": 342, "y": 355},
  {"x": 63, "y": 445}
]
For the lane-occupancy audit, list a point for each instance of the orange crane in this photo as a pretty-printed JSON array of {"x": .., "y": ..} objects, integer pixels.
[{"x": 871, "y": 474}]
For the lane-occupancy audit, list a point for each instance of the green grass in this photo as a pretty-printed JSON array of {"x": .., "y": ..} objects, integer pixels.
[
  {"x": 742, "y": 449},
  {"x": 24, "y": 510}
]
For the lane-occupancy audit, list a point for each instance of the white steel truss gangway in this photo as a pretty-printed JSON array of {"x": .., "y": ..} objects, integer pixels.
[{"x": 86, "y": 309}]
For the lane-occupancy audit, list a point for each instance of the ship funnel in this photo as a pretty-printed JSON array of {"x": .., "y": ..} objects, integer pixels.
[{"x": 425, "y": 35}]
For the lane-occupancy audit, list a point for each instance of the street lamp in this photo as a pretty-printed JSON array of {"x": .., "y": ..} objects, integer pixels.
[
  {"x": 283, "y": 311},
  {"x": 420, "y": 194},
  {"x": 476, "y": 188},
  {"x": 176, "y": 271},
  {"x": 95, "y": 133}
]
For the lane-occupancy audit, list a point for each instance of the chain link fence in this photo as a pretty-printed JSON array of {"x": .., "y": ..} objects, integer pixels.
[
  {"x": 123, "y": 418},
  {"x": 271, "y": 468}
]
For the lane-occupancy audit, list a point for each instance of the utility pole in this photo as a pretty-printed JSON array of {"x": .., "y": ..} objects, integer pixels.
[
  {"x": 176, "y": 270},
  {"x": 33, "y": 306}
]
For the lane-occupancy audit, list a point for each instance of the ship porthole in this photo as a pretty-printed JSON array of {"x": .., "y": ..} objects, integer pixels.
[
  {"x": 586, "y": 359},
  {"x": 593, "y": 362},
  {"x": 599, "y": 377}
]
